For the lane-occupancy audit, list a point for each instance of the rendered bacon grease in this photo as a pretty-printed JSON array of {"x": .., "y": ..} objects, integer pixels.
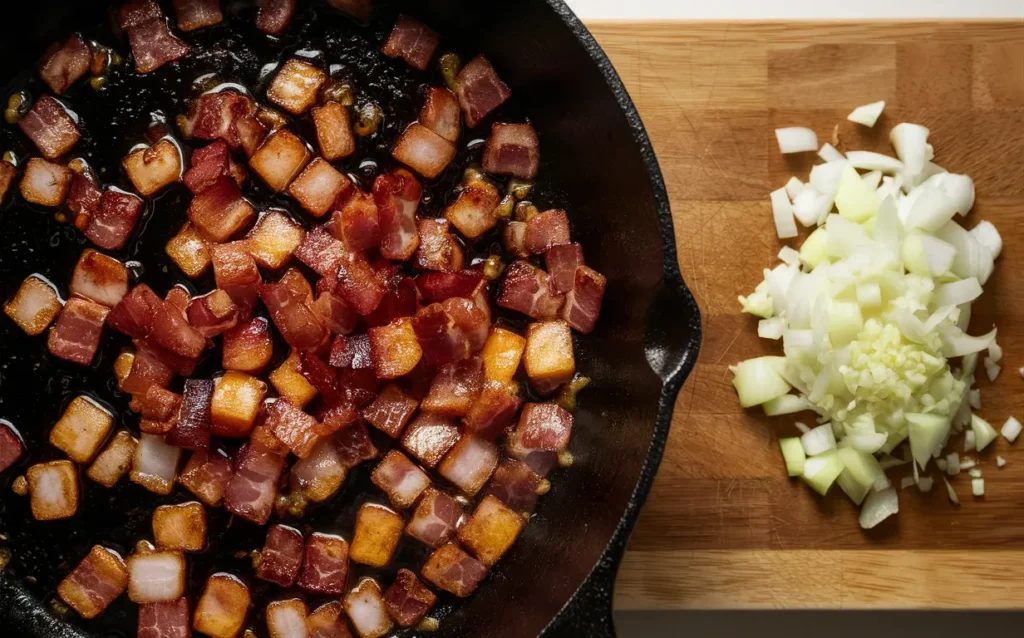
[{"x": 396, "y": 360}]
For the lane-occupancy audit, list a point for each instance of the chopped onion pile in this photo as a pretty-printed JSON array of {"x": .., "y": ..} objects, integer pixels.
[{"x": 871, "y": 312}]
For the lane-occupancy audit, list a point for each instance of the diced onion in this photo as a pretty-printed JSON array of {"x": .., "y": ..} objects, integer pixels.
[
  {"x": 910, "y": 141},
  {"x": 793, "y": 453},
  {"x": 995, "y": 352},
  {"x": 829, "y": 153},
  {"x": 983, "y": 431},
  {"x": 759, "y": 380},
  {"x": 969, "y": 444},
  {"x": 1011, "y": 429},
  {"x": 992, "y": 369},
  {"x": 868, "y": 161},
  {"x": 786, "y": 404},
  {"x": 925, "y": 483},
  {"x": 978, "y": 487},
  {"x": 796, "y": 139},
  {"x": 906, "y": 482},
  {"x": 821, "y": 471},
  {"x": 953, "y": 498},
  {"x": 789, "y": 256},
  {"x": 872, "y": 179},
  {"x": 957, "y": 292},
  {"x": 974, "y": 399},
  {"x": 952, "y": 464},
  {"x": 987, "y": 235},
  {"x": 878, "y": 506},
  {"x": 1000, "y": 461},
  {"x": 868, "y": 114},
  {"x": 975, "y": 473},
  {"x": 967, "y": 463},
  {"x": 809, "y": 205},
  {"x": 794, "y": 187},
  {"x": 782, "y": 210},
  {"x": 771, "y": 328},
  {"x": 819, "y": 440}
]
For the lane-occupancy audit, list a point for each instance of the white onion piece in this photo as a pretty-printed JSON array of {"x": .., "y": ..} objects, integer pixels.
[
  {"x": 955, "y": 343},
  {"x": 983, "y": 431},
  {"x": 992, "y": 369},
  {"x": 868, "y": 161},
  {"x": 995, "y": 352},
  {"x": 809, "y": 206},
  {"x": 953, "y": 498},
  {"x": 872, "y": 179},
  {"x": 952, "y": 464},
  {"x": 906, "y": 482},
  {"x": 794, "y": 187},
  {"x": 818, "y": 440},
  {"x": 789, "y": 256},
  {"x": 910, "y": 141},
  {"x": 925, "y": 483},
  {"x": 878, "y": 506},
  {"x": 987, "y": 235},
  {"x": 869, "y": 443},
  {"x": 796, "y": 139},
  {"x": 974, "y": 399},
  {"x": 1011, "y": 429},
  {"x": 968, "y": 447},
  {"x": 868, "y": 114},
  {"x": 930, "y": 211},
  {"x": 830, "y": 153},
  {"x": 959, "y": 188},
  {"x": 891, "y": 187},
  {"x": 957, "y": 292},
  {"x": 782, "y": 211},
  {"x": 825, "y": 177},
  {"x": 978, "y": 487},
  {"x": 771, "y": 328},
  {"x": 927, "y": 256}
]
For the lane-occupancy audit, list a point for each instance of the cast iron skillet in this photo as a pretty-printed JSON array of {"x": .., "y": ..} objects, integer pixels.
[{"x": 558, "y": 579}]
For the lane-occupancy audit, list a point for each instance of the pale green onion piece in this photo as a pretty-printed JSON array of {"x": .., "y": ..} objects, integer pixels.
[
  {"x": 941, "y": 464},
  {"x": 1000, "y": 461},
  {"x": 992, "y": 369},
  {"x": 862, "y": 466},
  {"x": 851, "y": 487},
  {"x": 793, "y": 187},
  {"x": 927, "y": 256},
  {"x": 975, "y": 473},
  {"x": 906, "y": 482},
  {"x": 879, "y": 506},
  {"x": 927, "y": 433},
  {"x": 1011, "y": 429},
  {"x": 868, "y": 161},
  {"x": 969, "y": 364},
  {"x": 843, "y": 236},
  {"x": 759, "y": 380},
  {"x": 782, "y": 212},
  {"x": 789, "y": 256},
  {"x": 758, "y": 303},
  {"x": 810, "y": 206},
  {"x": 796, "y": 139},
  {"x": 869, "y": 442},
  {"x": 969, "y": 442},
  {"x": 813, "y": 251},
  {"x": 829, "y": 153},
  {"x": 887, "y": 462},
  {"x": 984, "y": 433},
  {"x": 844, "y": 322},
  {"x": 910, "y": 141},
  {"x": 974, "y": 399},
  {"x": 925, "y": 483},
  {"x": 825, "y": 178},
  {"x": 868, "y": 114},
  {"x": 978, "y": 487},
  {"x": 869, "y": 295},
  {"x": 786, "y": 404},
  {"x": 952, "y": 464},
  {"x": 872, "y": 179},
  {"x": 987, "y": 235},
  {"x": 956, "y": 293},
  {"x": 793, "y": 453},
  {"x": 953, "y": 498},
  {"x": 821, "y": 471},
  {"x": 855, "y": 200},
  {"x": 819, "y": 440}
]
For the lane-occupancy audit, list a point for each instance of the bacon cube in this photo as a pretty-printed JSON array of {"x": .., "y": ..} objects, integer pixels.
[
  {"x": 45, "y": 183},
  {"x": 197, "y": 14},
  {"x": 401, "y": 300},
  {"x": 412, "y": 41},
  {"x": 281, "y": 157},
  {"x": 82, "y": 429},
  {"x": 11, "y": 446},
  {"x": 325, "y": 565},
  {"x": 352, "y": 351},
  {"x": 441, "y": 340},
  {"x": 438, "y": 249},
  {"x": 164, "y": 620},
  {"x": 281, "y": 557},
  {"x": 527, "y": 289},
  {"x": 494, "y": 410},
  {"x": 514, "y": 239},
  {"x": 220, "y": 211},
  {"x": 7, "y": 174},
  {"x": 158, "y": 403},
  {"x": 134, "y": 314},
  {"x": 251, "y": 491},
  {"x": 63, "y": 66},
  {"x": 99, "y": 579},
  {"x": 540, "y": 462},
  {"x": 470, "y": 463},
  {"x": 34, "y": 306},
  {"x": 154, "y": 167},
  {"x": 51, "y": 128},
  {"x": 76, "y": 335},
  {"x": 562, "y": 261},
  {"x": 356, "y": 221},
  {"x": 429, "y": 437},
  {"x": 53, "y": 490},
  {"x": 293, "y": 427},
  {"x": 366, "y": 609},
  {"x": 211, "y": 163},
  {"x": 290, "y": 383},
  {"x": 378, "y": 530},
  {"x": 547, "y": 229},
  {"x": 318, "y": 186},
  {"x": 291, "y": 313},
  {"x": 274, "y": 239},
  {"x": 335, "y": 313},
  {"x": 439, "y": 286},
  {"x": 359, "y": 285},
  {"x": 400, "y": 479},
  {"x": 435, "y": 519},
  {"x": 480, "y": 90},
  {"x": 155, "y": 466},
  {"x": 548, "y": 358},
  {"x": 151, "y": 40},
  {"x": 99, "y": 278},
  {"x": 191, "y": 430},
  {"x": 236, "y": 402},
  {"x": 206, "y": 475},
  {"x": 218, "y": 116},
  {"x": 583, "y": 303},
  {"x": 441, "y": 114},
  {"x": 156, "y": 577},
  {"x": 248, "y": 346},
  {"x": 354, "y": 446},
  {"x": 327, "y": 621},
  {"x": 391, "y": 410},
  {"x": 334, "y": 131},
  {"x": 236, "y": 273},
  {"x": 501, "y": 354},
  {"x": 287, "y": 619},
  {"x": 180, "y": 527},
  {"x": 453, "y": 570},
  {"x": 322, "y": 252},
  {"x": 113, "y": 222},
  {"x": 171, "y": 331},
  {"x": 189, "y": 251},
  {"x": 295, "y": 86},
  {"x": 512, "y": 149},
  {"x": 223, "y": 606},
  {"x": 455, "y": 388},
  {"x": 212, "y": 314},
  {"x": 515, "y": 485},
  {"x": 408, "y": 600},
  {"x": 472, "y": 212},
  {"x": 114, "y": 461},
  {"x": 397, "y": 195},
  {"x": 83, "y": 198},
  {"x": 423, "y": 150},
  {"x": 394, "y": 348},
  {"x": 321, "y": 474},
  {"x": 544, "y": 426},
  {"x": 491, "y": 530},
  {"x": 273, "y": 16},
  {"x": 148, "y": 370}
]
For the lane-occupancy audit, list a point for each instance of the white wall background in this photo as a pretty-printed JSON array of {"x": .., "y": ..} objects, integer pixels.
[{"x": 794, "y": 9}]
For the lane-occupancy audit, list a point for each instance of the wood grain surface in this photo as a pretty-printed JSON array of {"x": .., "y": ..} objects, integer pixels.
[{"x": 724, "y": 526}]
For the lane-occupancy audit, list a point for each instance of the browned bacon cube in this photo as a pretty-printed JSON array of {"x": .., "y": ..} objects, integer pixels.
[
  {"x": 222, "y": 609},
  {"x": 155, "y": 466},
  {"x": 562, "y": 261},
  {"x": 248, "y": 346},
  {"x": 45, "y": 183},
  {"x": 154, "y": 167},
  {"x": 191, "y": 430},
  {"x": 412, "y": 41},
  {"x": 366, "y": 609},
  {"x": 236, "y": 402},
  {"x": 334, "y": 131},
  {"x": 213, "y": 313},
  {"x": 273, "y": 16},
  {"x": 114, "y": 461},
  {"x": 83, "y": 197},
  {"x": 281, "y": 157},
  {"x": 515, "y": 485},
  {"x": 397, "y": 195},
  {"x": 394, "y": 348},
  {"x": 151, "y": 40},
  {"x": 281, "y": 557},
  {"x": 51, "y": 128},
  {"x": 401, "y": 300},
  {"x": 220, "y": 211},
  {"x": 441, "y": 340},
  {"x": 99, "y": 579},
  {"x": 453, "y": 570},
  {"x": 290, "y": 383},
  {"x": 328, "y": 621},
  {"x": 76, "y": 335},
  {"x": 11, "y": 446},
  {"x": 64, "y": 65},
  {"x": 548, "y": 358},
  {"x": 438, "y": 249},
  {"x": 196, "y": 14},
  {"x": 293, "y": 427},
  {"x": 494, "y": 410},
  {"x": 502, "y": 353},
  {"x": 527, "y": 289},
  {"x": 470, "y": 463},
  {"x": 164, "y": 620},
  {"x": 435, "y": 519},
  {"x": 354, "y": 445},
  {"x": 514, "y": 239},
  {"x": 206, "y": 475},
  {"x": 429, "y": 437},
  {"x": 180, "y": 527},
  {"x": 295, "y": 86},
  {"x": 512, "y": 149},
  {"x": 322, "y": 252},
  {"x": 325, "y": 565},
  {"x": 455, "y": 388},
  {"x": 378, "y": 530},
  {"x": 213, "y": 162},
  {"x": 480, "y": 90},
  {"x": 53, "y": 490},
  {"x": 319, "y": 475},
  {"x": 583, "y": 303},
  {"x": 472, "y": 212},
  {"x": 334, "y": 312},
  {"x": 441, "y": 114},
  {"x": 400, "y": 479},
  {"x": 539, "y": 462},
  {"x": 318, "y": 186},
  {"x": 189, "y": 251},
  {"x": 236, "y": 273},
  {"x": 252, "y": 489},
  {"x": 391, "y": 410},
  {"x": 408, "y": 600},
  {"x": 113, "y": 222},
  {"x": 34, "y": 306},
  {"x": 287, "y": 619},
  {"x": 82, "y": 429},
  {"x": 547, "y": 229},
  {"x": 356, "y": 220},
  {"x": 423, "y": 150},
  {"x": 99, "y": 278},
  {"x": 490, "y": 530},
  {"x": 543, "y": 426},
  {"x": 156, "y": 577},
  {"x": 359, "y": 285},
  {"x": 274, "y": 239}
]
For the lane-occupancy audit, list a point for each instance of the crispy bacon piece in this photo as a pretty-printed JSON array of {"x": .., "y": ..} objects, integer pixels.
[
  {"x": 472, "y": 212},
  {"x": 391, "y": 410},
  {"x": 471, "y": 316},
  {"x": 439, "y": 338},
  {"x": 441, "y": 114},
  {"x": 212, "y": 314},
  {"x": 295, "y": 86},
  {"x": 164, "y": 620},
  {"x": 583, "y": 303},
  {"x": 114, "y": 220},
  {"x": 438, "y": 286},
  {"x": 76, "y": 335},
  {"x": 435, "y": 519},
  {"x": 356, "y": 222},
  {"x": 207, "y": 475},
  {"x": 322, "y": 252},
  {"x": 455, "y": 388},
  {"x": 81, "y": 430},
  {"x": 114, "y": 461},
  {"x": 153, "y": 167},
  {"x": 281, "y": 157},
  {"x": 366, "y": 609},
  {"x": 248, "y": 346},
  {"x": 430, "y": 437},
  {"x": 180, "y": 527},
  {"x": 318, "y": 187},
  {"x": 351, "y": 352},
  {"x": 293, "y": 316},
  {"x": 11, "y": 447},
  {"x": 99, "y": 278},
  {"x": 354, "y": 446},
  {"x": 281, "y": 557},
  {"x": 527, "y": 289},
  {"x": 548, "y": 358},
  {"x": 220, "y": 211},
  {"x": 274, "y": 239},
  {"x": 171, "y": 331},
  {"x": 223, "y": 606},
  {"x": 273, "y": 16},
  {"x": 378, "y": 530},
  {"x": 321, "y": 376},
  {"x": 512, "y": 149},
  {"x": 334, "y": 131},
  {"x": 45, "y": 183},
  {"x": 158, "y": 403},
  {"x": 251, "y": 133},
  {"x": 287, "y": 619},
  {"x": 220, "y": 116},
  {"x": 151, "y": 40},
  {"x": 395, "y": 349},
  {"x": 491, "y": 530},
  {"x": 34, "y": 306},
  {"x": 400, "y": 301},
  {"x": 412, "y": 41},
  {"x": 515, "y": 485},
  {"x": 359, "y": 285},
  {"x": 95, "y": 583},
  {"x": 562, "y": 261},
  {"x": 514, "y": 239},
  {"x": 209, "y": 164},
  {"x": 438, "y": 249},
  {"x": 178, "y": 297},
  {"x": 547, "y": 229},
  {"x": 325, "y": 565},
  {"x": 539, "y": 461},
  {"x": 63, "y": 66},
  {"x": 319, "y": 475},
  {"x": 251, "y": 491},
  {"x": 423, "y": 150},
  {"x": 196, "y": 14},
  {"x": 148, "y": 370},
  {"x": 156, "y": 577},
  {"x": 293, "y": 427},
  {"x": 400, "y": 479},
  {"x": 189, "y": 251},
  {"x": 470, "y": 463},
  {"x": 408, "y": 600},
  {"x": 453, "y": 570},
  {"x": 397, "y": 195},
  {"x": 335, "y": 313},
  {"x": 53, "y": 490},
  {"x": 544, "y": 426},
  {"x": 192, "y": 429},
  {"x": 155, "y": 465},
  {"x": 133, "y": 315},
  {"x": 327, "y": 621},
  {"x": 480, "y": 90},
  {"x": 494, "y": 410},
  {"x": 83, "y": 197},
  {"x": 50, "y": 128},
  {"x": 235, "y": 273}
]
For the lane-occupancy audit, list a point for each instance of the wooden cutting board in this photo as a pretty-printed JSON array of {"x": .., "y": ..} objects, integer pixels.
[{"x": 724, "y": 526}]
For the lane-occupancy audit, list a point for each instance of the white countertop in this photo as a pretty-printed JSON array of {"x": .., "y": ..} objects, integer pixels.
[{"x": 794, "y": 9}]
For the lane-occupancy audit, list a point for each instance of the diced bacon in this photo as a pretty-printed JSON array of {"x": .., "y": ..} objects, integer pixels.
[
  {"x": 274, "y": 239},
  {"x": 248, "y": 346},
  {"x": 318, "y": 186},
  {"x": 133, "y": 315},
  {"x": 435, "y": 519},
  {"x": 423, "y": 150},
  {"x": 400, "y": 301},
  {"x": 322, "y": 252},
  {"x": 334, "y": 131},
  {"x": 335, "y": 313},
  {"x": 250, "y": 133},
  {"x": 548, "y": 358},
  {"x": 212, "y": 314},
  {"x": 562, "y": 260},
  {"x": 351, "y": 352},
  {"x": 366, "y": 609},
  {"x": 515, "y": 485},
  {"x": 34, "y": 306},
  {"x": 527, "y": 289},
  {"x": 491, "y": 530},
  {"x": 154, "y": 167},
  {"x": 222, "y": 609},
  {"x": 7, "y": 174},
  {"x": 430, "y": 437},
  {"x": 208, "y": 165},
  {"x": 156, "y": 577},
  {"x": 441, "y": 114},
  {"x": 473, "y": 318},
  {"x": 539, "y": 461},
  {"x": 281, "y": 157},
  {"x": 354, "y": 446},
  {"x": 547, "y": 229},
  {"x": 189, "y": 251},
  {"x": 251, "y": 491},
  {"x": 151, "y": 40},
  {"x": 287, "y": 619},
  {"x": 53, "y": 490},
  {"x": 237, "y": 399},
  {"x": 293, "y": 316},
  {"x": 273, "y": 16},
  {"x": 438, "y": 249},
  {"x": 319, "y": 475},
  {"x": 293, "y": 427},
  {"x": 206, "y": 475},
  {"x": 438, "y": 286},
  {"x": 76, "y": 335},
  {"x": 455, "y": 388},
  {"x": 502, "y": 354},
  {"x": 397, "y": 196},
  {"x": 453, "y": 570},
  {"x": 512, "y": 149},
  {"x": 155, "y": 466},
  {"x": 196, "y": 14},
  {"x": 11, "y": 447},
  {"x": 50, "y": 127},
  {"x": 359, "y": 386},
  {"x": 281, "y": 557},
  {"x": 494, "y": 410},
  {"x": 82, "y": 429},
  {"x": 217, "y": 116},
  {"x": 164, "y": 620},
  {"x": 220, "y": 211},
  {"x": 99, "y": 579},
  {"x": 295, "y": 86},
  {"x": 358, "y": 284},
  {"x": 235, "y": 273},
  {"x": 148, "y": 371},
  {"x": 297, "y": 284},
  {"x": 114, "y": 461},
  {"x": 472, "y": 213},
  {"x": 65, "y": 65},
  {"x": 395, "y": 349},
  {"x": 114, "y": 220},
  {"x": 356, "y": 222},
  {"x": 378, "y": 530},
  {"x": 178, "y": 298},
  {"x": 400, "y": 479},
  {"x": 180, "y": 527},
  {"x": 325, "y": 565},
  {"x": 192, "y": 429},
  {"x": 391, "y": 410},
  {"x": 439, "y": 338},
  {"x": 157, "y": 403},
  {"x": 544, "y": 426},
  {"x": 583, "y": 303},
  {"x": 45, "y": 183},
  {"x": 408, "y": 600},
  {"x": 171, "y": 331},
  {"x": 412, "y": 41},
  {"x": 480, "y": 90},
  {"x": 514, "y": 239},
  {"x": 83, "y": 197},
  {"x": 327, "y": 621},
  {"x": 99, "y": 278},
  {"x": 356, "y": 8},
  {"x": 470, "y": 463}
]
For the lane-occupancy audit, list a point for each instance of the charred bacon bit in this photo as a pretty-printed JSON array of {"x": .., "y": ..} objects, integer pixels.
[
  {"x": 358, "y": 284},
  {"x": 491, "y": 530},
  {"x": 439, "y": 338},
  {"x": 45, "y": 183},
  {"x": 251, "y": 491},
  {"x": 322, "y": 252},
  {"x": 321, "y": 376},
  {"x": 357, "y": 222},
  {"x": 220, "y": 211},
  {"x": 395, "y": 349},
  {"x": 325, "y": 565},
  {"x": 235, "y": 273},
  {"x": 219, "y": 116},
  {"x": 583, "y": 303},
  {"x": 281, "y": 157},
  {"x": 180, "y": 527},
  {"x": 391, "y": 410},
  {"x": 50, "y": 128},
  {"x": 562, "y": 261},
  {"x": 430, "y": 437},
  {"x": 438, "y": 249},
  {"x": 76, "y": 335},
  {"x": 295, "y": 86},
  {"x": 470, "y": 463},
  {"x": 197, "y": 14},
  {"x": 438, "y": 286},
  {"x": 480, "y": 90},
  {"x": 453, "y": 570},
  {"x": 53, "y": 490},
  {"x": 151, "y": 40},
  {"x": 154, "y": 167},
  {"x": 34, "y": 306},
  {"x": 412, "y": 41},
  {"x": 64, "y": 66},
  {"x": 99, "y": 579},
  {"x": 114, "y": 220},
  {"x": 164, "y": 620},
  {"x": 366, "y": 609},
  {"x": 549, "y": 359},
  {"x": 156, "y": 577},
  {"x": 293, "y": 427},
  {"x": 472, "y": 213},
  {"x": 155, "y": 466},
  {"x": 512, "y": 149},
  {"x": 441, "y": 114},
  {"x": 515, "y": 485},
  {"x": 236, "y": 402},
  {"x": 547, "y": 229},
  {"x": 400, "y": 479},
  {"x": 11, "y": 447},
  {"x": 82, "y": 429},
  {"x": 273, "y": 16},
  {"x": 114, "y": 461},
  {"x": 378, "y": 530},
  {"x": 408, "y": 600},
  {"x": 274, "y": 239},
  {"x": 223, "y": 606},
  {"x": 397, "y": 195},
  {"x": 290, "y": 383},
  {"x": 212, "y": 314},
  {"x": 189, "y": 251},
  {"x": 7, "y": 174},
  {"x": 281, "y": 557},
  {"x": 455, "y": 388},
  {"x": 318, "y": 186},
  {"x": 494, "y": 410},
  {"x": 208, "y": 165},
  {"x": 354, "y": 446},
  {"x": 287, "y": 619},
  {"x": 207, "y": 475},
  {"x": 435, "y": 519},
  {"x": 527, "y": 289},
  {"x": 99, "y": 278},
  {"x": 334, "y": 131},
  {"x": 327, "y": 621},
  {"x": 400, "y": 301},
  {"x": 423, "y": 150}
]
